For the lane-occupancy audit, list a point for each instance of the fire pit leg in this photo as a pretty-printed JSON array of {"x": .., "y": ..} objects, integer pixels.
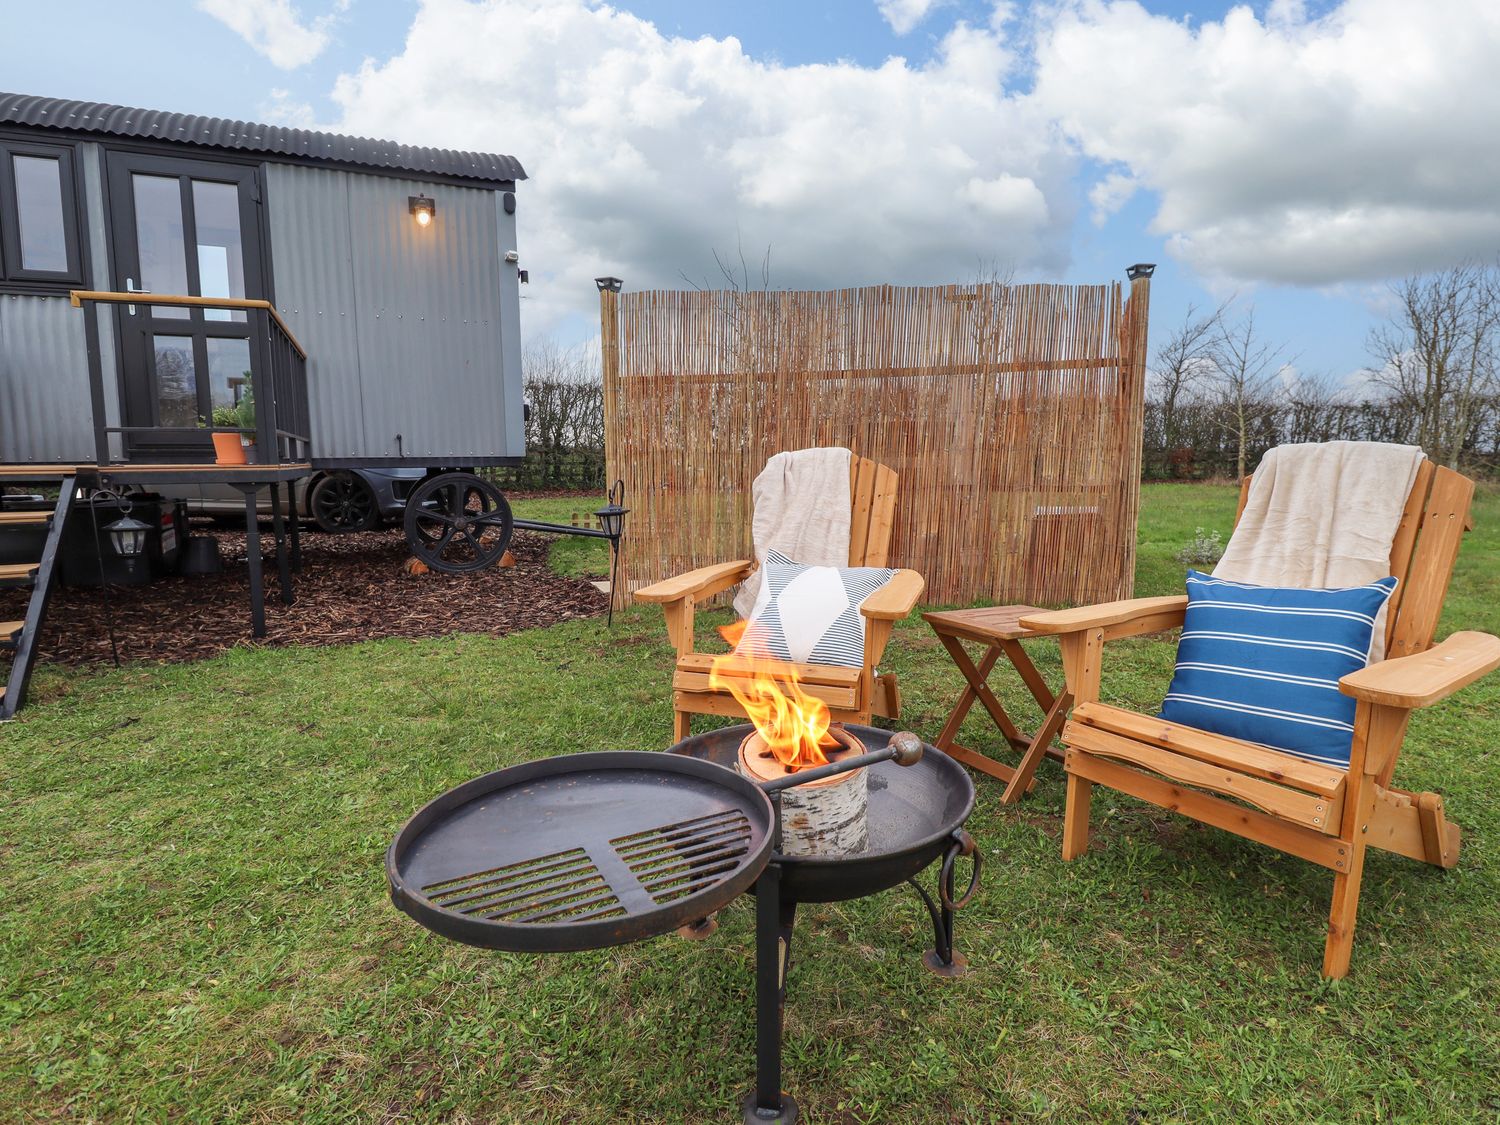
[
  {"x": 774, "y": 918},
  {"x": 702, "y": 928},
  {"x": 942, "y": 958}
]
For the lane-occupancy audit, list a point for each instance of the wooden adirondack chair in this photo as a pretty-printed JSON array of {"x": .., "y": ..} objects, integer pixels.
[
  {"x": 852, "y": 694},
  {"x": 1323, "y": 814}
]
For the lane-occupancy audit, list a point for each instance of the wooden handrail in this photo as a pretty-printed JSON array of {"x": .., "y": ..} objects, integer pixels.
[{"x": 78, "y": 296}]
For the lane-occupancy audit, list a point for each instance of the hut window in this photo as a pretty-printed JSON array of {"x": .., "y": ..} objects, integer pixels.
[{"x": 38, "y": 215}]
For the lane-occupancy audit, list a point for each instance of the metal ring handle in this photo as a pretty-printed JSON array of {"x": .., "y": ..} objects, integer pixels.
[{"x": 963, "y": 845}]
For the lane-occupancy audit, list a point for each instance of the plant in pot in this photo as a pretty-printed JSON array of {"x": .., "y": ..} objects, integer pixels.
[
  {"x": 227, "y": 447},
  {"x": 246, "y": 416}
]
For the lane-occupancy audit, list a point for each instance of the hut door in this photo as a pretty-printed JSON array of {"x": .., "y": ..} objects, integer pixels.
[{"x": 189, "y": 228}]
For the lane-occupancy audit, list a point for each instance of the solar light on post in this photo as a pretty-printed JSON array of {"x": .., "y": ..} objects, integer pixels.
[{"x": 612, "y": 523}]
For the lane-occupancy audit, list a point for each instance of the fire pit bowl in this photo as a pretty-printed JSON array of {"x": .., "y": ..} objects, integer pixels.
[{"x": 914, "y": 812}]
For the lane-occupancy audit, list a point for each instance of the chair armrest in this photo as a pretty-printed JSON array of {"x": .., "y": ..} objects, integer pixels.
[
  {"x": 894, "y": 600},
  {"x": 1425, "y": 677},
  {"x": 701, "y": 583},
  {"x": 1105, "y": 614}
]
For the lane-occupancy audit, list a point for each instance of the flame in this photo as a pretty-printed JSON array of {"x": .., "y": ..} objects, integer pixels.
[{"x": 793, "y": 724}]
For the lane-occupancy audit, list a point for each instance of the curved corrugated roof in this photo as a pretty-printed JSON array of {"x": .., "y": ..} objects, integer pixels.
[{"x": 247, "y": 136}]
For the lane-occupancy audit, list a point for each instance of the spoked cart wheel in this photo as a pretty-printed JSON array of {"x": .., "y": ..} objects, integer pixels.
[{"x": 458, "y": 523}]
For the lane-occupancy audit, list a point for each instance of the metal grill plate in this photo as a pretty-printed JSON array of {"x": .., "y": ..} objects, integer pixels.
[{"x": 582, "y": 851}]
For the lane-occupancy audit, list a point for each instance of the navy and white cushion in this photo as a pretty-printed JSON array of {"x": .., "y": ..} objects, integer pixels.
[
  {"x": 1262, "y": 663},
  {"x": 810, "y": 614}
]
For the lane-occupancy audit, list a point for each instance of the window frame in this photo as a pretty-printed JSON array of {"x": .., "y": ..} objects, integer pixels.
[{"x": 14, "y": 277}]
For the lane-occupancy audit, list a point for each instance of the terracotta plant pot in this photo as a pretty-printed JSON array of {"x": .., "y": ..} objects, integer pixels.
[{"x": 228, "y": 450}]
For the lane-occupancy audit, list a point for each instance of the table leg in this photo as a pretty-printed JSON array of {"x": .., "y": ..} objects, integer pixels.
[
  {"x": 1038, "y": 686},
  {"x": 1020, "y": 784},
  {"x": 965, "y": 701},
  {"x": 976, "y": 682}
]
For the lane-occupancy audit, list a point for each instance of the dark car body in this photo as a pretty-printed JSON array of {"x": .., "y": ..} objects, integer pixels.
[{"x": 387, "y": 488}]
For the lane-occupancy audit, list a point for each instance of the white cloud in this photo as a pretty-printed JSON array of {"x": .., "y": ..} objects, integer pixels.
[
  {"x": 904, "y": 15},
  {"x": 1306, "y": 149},
  {"x": 283, "y": 108},
  {"x": 647, "y": 153},
  {"x": 274, "y": 28}
]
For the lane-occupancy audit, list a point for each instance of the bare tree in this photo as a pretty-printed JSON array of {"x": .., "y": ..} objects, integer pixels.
[
  {"x": 1439, "y": 356},
  {"x": 1311, "y": 402},
  {"x": 1246, "y": 382},
  {"x": 1181, "y": 364},
  {"x": 565, "y": 421}
]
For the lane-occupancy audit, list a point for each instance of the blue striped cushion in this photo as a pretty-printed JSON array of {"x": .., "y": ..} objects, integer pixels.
[
  {"x": 810, "y": 614},
  {"x": 1262, "y": 663}
]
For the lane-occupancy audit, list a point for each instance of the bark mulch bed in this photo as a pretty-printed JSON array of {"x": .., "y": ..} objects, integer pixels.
[{"x": 351, "y": 588}]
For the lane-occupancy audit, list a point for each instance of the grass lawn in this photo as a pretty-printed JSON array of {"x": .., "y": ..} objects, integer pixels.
[{"x": 196, "y": 925}]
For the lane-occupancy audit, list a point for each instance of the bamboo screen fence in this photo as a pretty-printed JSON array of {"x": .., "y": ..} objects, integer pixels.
[{"x": 1012, "y": 414}]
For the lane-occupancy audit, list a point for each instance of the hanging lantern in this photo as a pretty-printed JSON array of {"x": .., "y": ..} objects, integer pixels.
[{"x": 127, "y": 536}]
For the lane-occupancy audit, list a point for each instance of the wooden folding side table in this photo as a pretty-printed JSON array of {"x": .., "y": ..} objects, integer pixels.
[{"x": 999, "y": 629}]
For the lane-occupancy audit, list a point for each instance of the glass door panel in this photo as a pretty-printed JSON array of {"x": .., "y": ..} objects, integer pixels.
[
  {"x": 160, "y": 241},
  {"x": 221, "y": 256},
  {"x": 229, "y": 376},
  {"x": 176, "y": 380}
]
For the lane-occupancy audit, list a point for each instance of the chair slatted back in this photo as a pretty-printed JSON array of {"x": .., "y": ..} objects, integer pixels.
[
  {"x": 1423, "y": 554},
  {"x": 872, "y": 512},
  {"x": 1444, "y": 519}
]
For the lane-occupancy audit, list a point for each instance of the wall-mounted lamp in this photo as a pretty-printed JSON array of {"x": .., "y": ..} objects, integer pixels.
[
  {"x": 1141, "y": 270},
  {"x": 423, "y": 208}
]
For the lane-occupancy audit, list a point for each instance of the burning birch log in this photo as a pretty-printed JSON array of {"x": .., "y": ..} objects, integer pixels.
[{"x": 821, "y": 818}]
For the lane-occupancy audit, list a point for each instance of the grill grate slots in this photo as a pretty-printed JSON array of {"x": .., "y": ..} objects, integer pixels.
[
  {"x": 679, "y": 859},
  {"x": 560, "y": 887}
]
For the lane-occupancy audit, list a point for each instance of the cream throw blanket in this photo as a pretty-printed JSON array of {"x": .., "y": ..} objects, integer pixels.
[
  {"x": 802, "y": 510},
  {"x": 1323, "y": 516}
]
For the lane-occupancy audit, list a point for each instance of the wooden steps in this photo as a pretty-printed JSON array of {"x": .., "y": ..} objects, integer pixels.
[
  {"x": 17, "y": 574},
  {"x": 25, "y": 519},
  {"x": 20, "y": 636}
]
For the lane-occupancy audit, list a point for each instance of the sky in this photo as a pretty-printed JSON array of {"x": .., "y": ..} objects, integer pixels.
[{"x": 1294, "y": 154}]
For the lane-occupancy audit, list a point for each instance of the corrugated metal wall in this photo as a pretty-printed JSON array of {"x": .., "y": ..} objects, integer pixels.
[
  {"x": 44, "y": 371},
  {"x": 45, "y": 408},
  {"x": 404, "y": 326}
]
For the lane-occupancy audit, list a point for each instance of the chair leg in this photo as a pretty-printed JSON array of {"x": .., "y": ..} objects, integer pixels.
[
  {"x": 1341, "y": 916},
  {"x": 1075, "y": 839},
  {"x": 682, "y": 725}
]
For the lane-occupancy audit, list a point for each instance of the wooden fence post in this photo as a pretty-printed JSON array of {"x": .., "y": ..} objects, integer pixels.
[
  {"x": 609, "y": 351},
  {"x": 1133, "y": 346}
]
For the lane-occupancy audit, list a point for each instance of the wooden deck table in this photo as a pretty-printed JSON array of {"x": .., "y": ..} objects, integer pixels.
[{"x": 999, "y": 630}]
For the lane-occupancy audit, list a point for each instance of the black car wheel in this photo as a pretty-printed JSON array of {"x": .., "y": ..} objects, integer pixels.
[{"x": 341, "y": 502}]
